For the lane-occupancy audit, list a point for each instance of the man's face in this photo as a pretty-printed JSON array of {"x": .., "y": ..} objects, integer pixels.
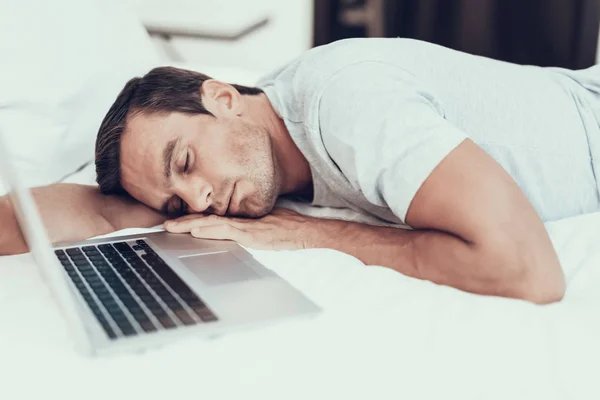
[{"x": 199, "y": 163}]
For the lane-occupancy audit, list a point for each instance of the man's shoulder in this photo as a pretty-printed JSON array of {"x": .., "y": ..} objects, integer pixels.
[
  {"x": 326, "y": 60},
  {"x": 323, "y": 62},
  {"x": 296, "y": 89}
]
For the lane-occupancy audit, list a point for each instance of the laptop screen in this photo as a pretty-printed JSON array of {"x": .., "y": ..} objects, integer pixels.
[{"x": 35, "y": 234}]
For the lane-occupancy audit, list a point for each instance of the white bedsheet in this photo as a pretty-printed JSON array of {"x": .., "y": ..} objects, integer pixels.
[{"x": 381, "y": 335}]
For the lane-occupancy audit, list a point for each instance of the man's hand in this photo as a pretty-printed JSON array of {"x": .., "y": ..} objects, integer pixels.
[{"x": 283, "y": 229}]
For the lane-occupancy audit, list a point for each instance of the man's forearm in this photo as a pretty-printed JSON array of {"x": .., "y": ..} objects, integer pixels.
[
  {"x": 439, "y": 257},
  {"x": 11, "y": 239},
  {"x": 74, "y": 212},
  {"x": 69, "y": 212}
]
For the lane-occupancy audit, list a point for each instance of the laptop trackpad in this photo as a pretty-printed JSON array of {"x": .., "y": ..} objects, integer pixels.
[{"x": 219, "y": 268}]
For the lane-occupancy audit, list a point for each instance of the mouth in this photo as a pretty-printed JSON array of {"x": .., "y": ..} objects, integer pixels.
[{"x": 227, "y": 210}]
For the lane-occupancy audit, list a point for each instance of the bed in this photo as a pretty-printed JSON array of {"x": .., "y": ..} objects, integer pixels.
[{"x": 380, "y": 335}]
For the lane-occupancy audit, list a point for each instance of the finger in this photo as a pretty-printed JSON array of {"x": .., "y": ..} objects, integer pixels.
[
  {"x": 189, "y": 224},
  {"x": 202, "y": 215},
  {"x": 186, "y": 223},
  {"x": 219, "y": 232},
  {"x": 188, "y": 217}
]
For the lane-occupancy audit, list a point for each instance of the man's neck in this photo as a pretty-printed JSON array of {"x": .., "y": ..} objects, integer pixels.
[{"x": 294, "y": 171}]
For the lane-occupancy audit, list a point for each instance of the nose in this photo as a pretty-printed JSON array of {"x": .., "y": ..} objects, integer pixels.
[{"x": 198, "y": 195}]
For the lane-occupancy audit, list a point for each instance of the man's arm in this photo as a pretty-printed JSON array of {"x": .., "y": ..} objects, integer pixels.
[
  {"x": 74, "y": 212},
  {"x": 476, "y": 231}
]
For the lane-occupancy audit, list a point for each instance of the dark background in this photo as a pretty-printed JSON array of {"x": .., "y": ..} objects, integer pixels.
[{"x": 560, "y": 33}]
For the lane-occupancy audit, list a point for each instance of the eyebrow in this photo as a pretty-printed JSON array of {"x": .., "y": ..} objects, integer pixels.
[
  {"x": 167, "y": 159},
  {"x": 168, "y": 156}
]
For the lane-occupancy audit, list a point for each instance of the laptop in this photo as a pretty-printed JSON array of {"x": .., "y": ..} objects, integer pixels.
[{"x": 130, "y": 293}]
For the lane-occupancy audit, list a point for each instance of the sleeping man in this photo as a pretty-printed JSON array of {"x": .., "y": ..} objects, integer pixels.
[{"x": 469, "y": 153}]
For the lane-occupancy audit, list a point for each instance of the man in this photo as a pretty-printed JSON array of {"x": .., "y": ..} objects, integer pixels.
[{"x": 471, "y": 153}]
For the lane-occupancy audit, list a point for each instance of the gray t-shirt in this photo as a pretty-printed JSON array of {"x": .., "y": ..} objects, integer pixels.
[{"x": 374, "y": 117}]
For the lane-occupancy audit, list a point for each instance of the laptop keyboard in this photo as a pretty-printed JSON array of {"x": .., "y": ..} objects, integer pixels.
[{"x": 131, "y": 290}]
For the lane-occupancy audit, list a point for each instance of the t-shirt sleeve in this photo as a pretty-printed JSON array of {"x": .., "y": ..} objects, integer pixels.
[{"x": 385, "y": 131}]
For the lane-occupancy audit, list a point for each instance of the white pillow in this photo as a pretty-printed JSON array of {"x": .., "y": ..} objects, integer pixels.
[{"x": 63, "y": 64}]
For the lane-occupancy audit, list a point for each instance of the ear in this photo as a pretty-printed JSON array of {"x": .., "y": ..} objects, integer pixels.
[{"x": 220, "y": 98}]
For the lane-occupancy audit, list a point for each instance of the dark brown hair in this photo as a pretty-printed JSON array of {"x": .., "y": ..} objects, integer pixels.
[{"x": 162, "y": 90}]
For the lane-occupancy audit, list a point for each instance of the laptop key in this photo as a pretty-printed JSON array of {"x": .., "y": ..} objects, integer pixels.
[
  {"x": 127, "y": 328},
  {"x": 120, "y": 265},
  {"x": 196, "y": 304},
  {"x": 167, "y": 322},
  {"x": 122, "y": 247},
  {"x": 204, "y": 312},
  {"x": 110, "y": 302},
  {"x": 150, "y": 252},
  {"x": 88, "y": 273},
  {"x": 110, "y": 274},
  {"x": 77, "y": 256},
  {"x": 107, "y": 328},
  {"x": 102, "y": 268},
  {"x": 118, "y": 287},
  {"x": 184, "y": 317},
  {"x": 208, "y": 317},
  {"x": 97, "y": 285},
  {"x": 147, "y": 325},
  {"x": 90, "y": 301},
  {"x": 73, "y": 251},
  {"x": 101, "y": 265},
  {"x": 156, "y": 309},
  {"x": 112, "y": 282},
  {"x": 73, "y": 275}
]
